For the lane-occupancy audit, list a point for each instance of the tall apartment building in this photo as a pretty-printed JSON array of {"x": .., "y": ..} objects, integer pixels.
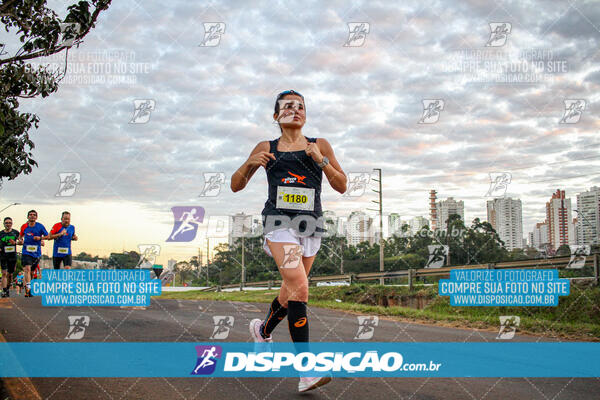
[
  {"x": 394, "y": 224},
  {"x": 506, "y": 217},
  {"x": 433, "y": 210},
  {"x": 539, "y": 236},
  {"x": 558, "y": 217},
  {"x": 331, "y": 222},
  {"x": 171, "y": 264},
  {"x": 530, "y": 239},
  {"x": 588, "y": 217},
  {"x": 359, "y": 228},
  {"x": 417, "y": 223},
  {"x": 445, "y": 208}
]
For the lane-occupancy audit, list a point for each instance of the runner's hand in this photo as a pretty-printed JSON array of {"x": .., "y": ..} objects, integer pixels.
[
  {"x": 12, "y": 241},
  {"x": 260, "y": 159},
  {"x": 37, "y": 238},
  {"x": 74, "y": 237},
  {"x": 313, "y": 151}
]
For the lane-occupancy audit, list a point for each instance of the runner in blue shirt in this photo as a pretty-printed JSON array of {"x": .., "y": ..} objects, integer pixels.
[
  {"x": 62, "y": 233},
  {"x": 31, "y": 236}
]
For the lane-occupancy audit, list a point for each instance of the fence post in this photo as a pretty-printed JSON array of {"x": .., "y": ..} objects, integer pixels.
[
  {"x": 410, "y": 279},
  {"x": 352, "y": 279},
  {"x": 219, "y": 288},
  {"x": 596, "y": 269},
  {"x": 270, "y": 285},
  {"x": 241, "y": 286}
]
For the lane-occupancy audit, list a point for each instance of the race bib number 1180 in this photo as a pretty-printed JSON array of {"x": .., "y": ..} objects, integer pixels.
[{"x": 295, "y": 198}]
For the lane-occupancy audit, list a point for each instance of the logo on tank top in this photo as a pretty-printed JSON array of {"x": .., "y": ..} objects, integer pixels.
[{"x": 294, "y": 179}]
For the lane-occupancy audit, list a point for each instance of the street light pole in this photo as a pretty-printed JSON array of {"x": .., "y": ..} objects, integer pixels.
[
  {"x": 380, "y": 202},
  {"x": 448, "y": 241},
  {"x": 10, "y": 205},
  {"x": 244, "y": 230},
  {"x": 207, "y": 258}
]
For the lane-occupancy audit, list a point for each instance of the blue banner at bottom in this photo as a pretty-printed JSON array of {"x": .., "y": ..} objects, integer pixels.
[{"x": 226, "y": 359}]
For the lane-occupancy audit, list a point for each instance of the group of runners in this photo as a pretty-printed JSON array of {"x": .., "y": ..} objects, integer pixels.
[{"x": 31, "y": 237}]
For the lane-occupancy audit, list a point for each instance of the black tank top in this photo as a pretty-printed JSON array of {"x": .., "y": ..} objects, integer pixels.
[{"x": 293, "y": 169}]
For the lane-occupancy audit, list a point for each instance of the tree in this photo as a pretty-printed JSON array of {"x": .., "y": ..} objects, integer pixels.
[
  {"x": 563, "y": 250},
  {"x": 83, "y": 256},
  {"x": 42, "y": 33},
  {"x": 126, "y": 260},
  {"x": 185, "y": 270}
]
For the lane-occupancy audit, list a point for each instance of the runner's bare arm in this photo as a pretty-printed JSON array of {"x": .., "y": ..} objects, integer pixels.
[
  {"x": 258, "y": 157},
  {"x": 333, "y": 170}
]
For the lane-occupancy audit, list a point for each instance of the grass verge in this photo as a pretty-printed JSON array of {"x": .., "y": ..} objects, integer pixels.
[{"x": 577, "y": 316}]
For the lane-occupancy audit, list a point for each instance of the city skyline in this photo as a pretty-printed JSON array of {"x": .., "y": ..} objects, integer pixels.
[
  {"x": 98, "y": 244},
  {"x": 203, "y": 115}
]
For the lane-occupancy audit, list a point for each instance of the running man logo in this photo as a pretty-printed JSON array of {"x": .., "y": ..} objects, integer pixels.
[
  {"x": 508, "y": 326},
  {"x": 437, "y": 256},
  {"x": 579, "y": 254},
  {"x": 366, "y": 327},
  {"x": 148, "y": 254},
  {"x": 185, "y": 225},
  {"x": 142, "y": 110},
  {"x": 357, "y": 33},
  {"x": 77, "y": 325},
  {"x": 357, "y": 183},
  {"x": 212, "y": 184},
  {"x": 212, "y": 34},
  {"x": 431, "y": 111},
  {"x": 207, "y": 359},
  {"x": 223, "y": 324},
  {"x": 69, "y": 31},
  {"x": 294, "y": 178},
  {"x": 292, "y": 254},
  {"x": 498, "y": 34},
  {"x": 68, "y": 183},
  {"x": 498, "y": 184},
  {"x": 573, "y": 110}
]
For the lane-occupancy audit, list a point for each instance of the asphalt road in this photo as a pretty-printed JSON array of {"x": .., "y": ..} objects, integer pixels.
[{"x": 24, "y": 319}]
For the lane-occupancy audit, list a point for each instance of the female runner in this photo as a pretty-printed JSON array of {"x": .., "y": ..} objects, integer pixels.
[{"x": 292, "y": 215}]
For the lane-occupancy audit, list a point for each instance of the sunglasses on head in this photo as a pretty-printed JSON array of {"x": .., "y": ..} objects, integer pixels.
[{"x": 289, "y": 92}]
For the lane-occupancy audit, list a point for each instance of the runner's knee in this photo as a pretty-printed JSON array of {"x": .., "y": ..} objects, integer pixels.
[{"x": 297, "y": 288}]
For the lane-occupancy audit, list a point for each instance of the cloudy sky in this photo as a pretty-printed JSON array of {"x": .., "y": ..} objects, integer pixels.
[{"x": 212, "y": 103}]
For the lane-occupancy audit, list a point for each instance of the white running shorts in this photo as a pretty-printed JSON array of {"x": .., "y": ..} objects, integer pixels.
[{"x": 310, "y": 245}]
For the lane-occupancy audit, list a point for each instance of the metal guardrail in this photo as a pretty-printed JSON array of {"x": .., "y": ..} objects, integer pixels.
[{"x": 411, "y": 274}]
